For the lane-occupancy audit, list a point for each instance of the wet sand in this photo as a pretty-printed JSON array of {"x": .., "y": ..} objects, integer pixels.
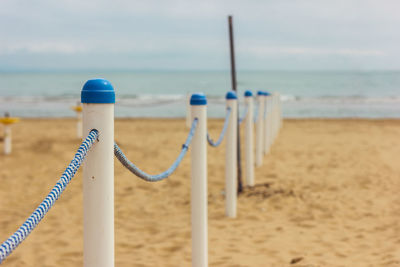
[{"x": 326, "y": 195}]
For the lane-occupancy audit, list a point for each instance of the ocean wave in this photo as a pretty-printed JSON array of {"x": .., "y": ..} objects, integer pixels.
[
  {"x": 349, "y": 99},
  {"x": 155, "y": 99}
]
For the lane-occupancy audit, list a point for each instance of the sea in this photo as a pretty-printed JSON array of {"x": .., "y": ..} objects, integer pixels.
[{"x": 163, "y": 94}]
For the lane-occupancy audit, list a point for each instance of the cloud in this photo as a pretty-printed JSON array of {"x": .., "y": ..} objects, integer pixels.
[
  {"x": 194, "y": 33},
  {"x": 287, "y": 50},
  {"x": 54, "y": 47}
]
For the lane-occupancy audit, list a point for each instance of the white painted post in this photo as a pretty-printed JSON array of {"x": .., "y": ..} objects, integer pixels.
[
  {"x": 271, "y": 121},
  {"x": 199, "y": 195},
  {"x": 79, "y": 125},
  {"x": 98, "y": 100},
  {"x": 249, "y": 140},
  {"x": 7, "y": 139},
  {"x": 188, "y": 109},
  {"x": 259, "y": 129},
  {"x": 276, "y": 114},
  {"x": 267, "y": 129},
  {"x": 273, "y": 118},
  {"x": 231, "y": 157}
]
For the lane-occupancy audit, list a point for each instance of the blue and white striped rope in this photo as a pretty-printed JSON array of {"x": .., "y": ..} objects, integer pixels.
[
  {"x": 221, "y": 136},
  {"x": 158, "y": 177},
  {"x": 11, "y": 243},
  {"x": 246, "y": 110}
]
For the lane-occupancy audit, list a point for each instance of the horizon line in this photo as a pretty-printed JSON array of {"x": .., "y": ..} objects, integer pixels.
[{"x": 88, "y": 70}]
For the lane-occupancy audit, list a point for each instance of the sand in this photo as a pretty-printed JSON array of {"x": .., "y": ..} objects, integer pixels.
[{"x": 326, "y": 195}]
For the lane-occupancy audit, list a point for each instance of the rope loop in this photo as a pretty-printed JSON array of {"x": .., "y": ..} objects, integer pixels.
[
  {"x": 158, "y": 177},
  {"x": 222, "y": 135},
  {"x": 26, "y": 228}
]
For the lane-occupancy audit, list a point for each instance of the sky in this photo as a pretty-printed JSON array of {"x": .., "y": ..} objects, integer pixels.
[{"x": 193, "y": 35}]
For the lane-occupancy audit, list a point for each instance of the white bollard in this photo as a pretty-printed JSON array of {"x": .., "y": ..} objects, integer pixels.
[
  {"x": 249, "y": 140},
  {"x": 259, "y": 129},
  {"x": 231, "y": 157},
  {"x": 98, "y": 100},
  {"x": 79, "y": 125},
  {"x": 273, "y": 118},
  {"x": 7, "y": 121},
  {"x": 78, "y": 111},
  {"x": 276, "y": 115},
  {"x": 199, "y": 196},
  {"x": 7, "y": 139},
  {"x": 188, "y": 108},
  {"x": 267, "y": 119}
]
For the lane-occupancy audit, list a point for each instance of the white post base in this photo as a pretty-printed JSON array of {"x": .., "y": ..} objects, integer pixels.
[{"x": 7, "y": 139}]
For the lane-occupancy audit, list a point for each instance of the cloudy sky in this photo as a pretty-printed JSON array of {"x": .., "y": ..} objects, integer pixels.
[{"x": 192, "y": 35}]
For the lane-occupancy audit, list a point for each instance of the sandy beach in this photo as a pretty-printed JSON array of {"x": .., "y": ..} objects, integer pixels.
[{"x": 326, "y": 195}]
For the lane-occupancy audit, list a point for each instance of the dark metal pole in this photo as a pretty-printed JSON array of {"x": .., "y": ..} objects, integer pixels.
[
  {"x": 234, "y": 88},
  {"x": 232, "y": 50}
]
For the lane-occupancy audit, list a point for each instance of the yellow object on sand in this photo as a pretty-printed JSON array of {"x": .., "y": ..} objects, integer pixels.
[
  {"x": 9, "y": 120},
  {"x": 77, "y": 108}
]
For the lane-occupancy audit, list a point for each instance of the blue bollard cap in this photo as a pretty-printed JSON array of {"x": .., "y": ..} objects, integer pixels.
[
  {"x": 98, "y": 91},
  {"x": 248, "y": 93},
  {"x": 260, "y": 93},
  {"x": 198, "y": 99},
  {"x": 266, "y": 93},
  {"x": 231, "y": 95}
]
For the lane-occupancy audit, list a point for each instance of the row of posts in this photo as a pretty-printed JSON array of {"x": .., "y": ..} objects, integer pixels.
[
  {"x": 98, "y": 99},
  {"x": 268, "y": 123}
]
